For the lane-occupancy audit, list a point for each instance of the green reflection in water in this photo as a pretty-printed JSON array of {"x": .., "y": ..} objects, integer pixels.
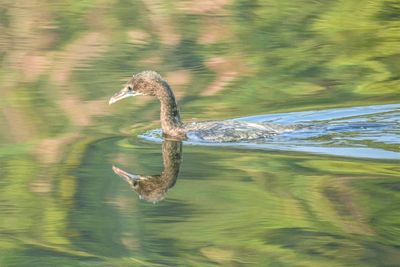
[
  {"x": 266, "y": 207},
  {"x": 61, "y": 204}
]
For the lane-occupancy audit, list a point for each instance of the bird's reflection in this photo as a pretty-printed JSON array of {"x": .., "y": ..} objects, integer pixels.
[{"x": 153, "y": 188}]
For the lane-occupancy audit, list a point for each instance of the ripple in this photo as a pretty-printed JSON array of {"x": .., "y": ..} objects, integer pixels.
[{"x": 364, "y": 132}]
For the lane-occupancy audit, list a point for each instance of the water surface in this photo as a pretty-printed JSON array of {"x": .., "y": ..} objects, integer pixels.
[
  {"x": 367, "y": 132},
  {"x": 325, "y": 195}
]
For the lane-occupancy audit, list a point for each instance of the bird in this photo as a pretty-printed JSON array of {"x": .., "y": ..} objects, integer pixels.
[{"x": 151, "y": 83}]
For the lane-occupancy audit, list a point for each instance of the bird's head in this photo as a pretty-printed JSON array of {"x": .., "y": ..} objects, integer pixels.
[{"x": 142, "y": 83}]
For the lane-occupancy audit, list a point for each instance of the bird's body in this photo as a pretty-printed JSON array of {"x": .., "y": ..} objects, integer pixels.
[
  {"x": 232, "y": 131},
  {"x": 151, "y": 83}
]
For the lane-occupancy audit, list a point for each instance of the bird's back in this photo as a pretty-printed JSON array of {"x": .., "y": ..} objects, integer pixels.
[{"x": 232, "y": 131}]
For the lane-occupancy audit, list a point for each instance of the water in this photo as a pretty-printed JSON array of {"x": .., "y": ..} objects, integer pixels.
[
  {"x": 326, "y": 194},
  {"x": 367, "y": 132}
]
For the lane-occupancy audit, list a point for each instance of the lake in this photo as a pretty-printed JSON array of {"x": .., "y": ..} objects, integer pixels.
[{"x": 83, "y": 183}]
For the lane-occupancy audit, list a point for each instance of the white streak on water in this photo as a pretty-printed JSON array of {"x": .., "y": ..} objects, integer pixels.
[{"x": 363, "y": 132}]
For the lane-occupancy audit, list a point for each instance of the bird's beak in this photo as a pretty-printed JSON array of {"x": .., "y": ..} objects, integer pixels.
[
  {"x": 130, "y": 178},
  {"x": 124, "y": 93}
]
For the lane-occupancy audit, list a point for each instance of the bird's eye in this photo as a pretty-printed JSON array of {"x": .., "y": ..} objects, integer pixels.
[{"x": 130, "y": 88}]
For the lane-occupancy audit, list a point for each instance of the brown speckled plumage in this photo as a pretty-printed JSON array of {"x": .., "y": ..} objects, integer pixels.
[{"x": 151, "y": 83}]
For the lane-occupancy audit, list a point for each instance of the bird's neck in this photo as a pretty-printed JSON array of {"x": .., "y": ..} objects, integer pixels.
[{"x": 169, "y": 115}]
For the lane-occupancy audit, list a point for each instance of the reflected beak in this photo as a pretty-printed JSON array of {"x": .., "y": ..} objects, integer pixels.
[
  {"x": 124, "y": 93},
  {"x": 130, "y": 178}
]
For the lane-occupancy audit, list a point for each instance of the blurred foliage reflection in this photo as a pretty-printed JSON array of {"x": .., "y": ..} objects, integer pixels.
[{"x": 60, "y": 203}]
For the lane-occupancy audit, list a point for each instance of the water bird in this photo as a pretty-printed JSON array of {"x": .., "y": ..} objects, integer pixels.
[{"x": 152, "y": 84}]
